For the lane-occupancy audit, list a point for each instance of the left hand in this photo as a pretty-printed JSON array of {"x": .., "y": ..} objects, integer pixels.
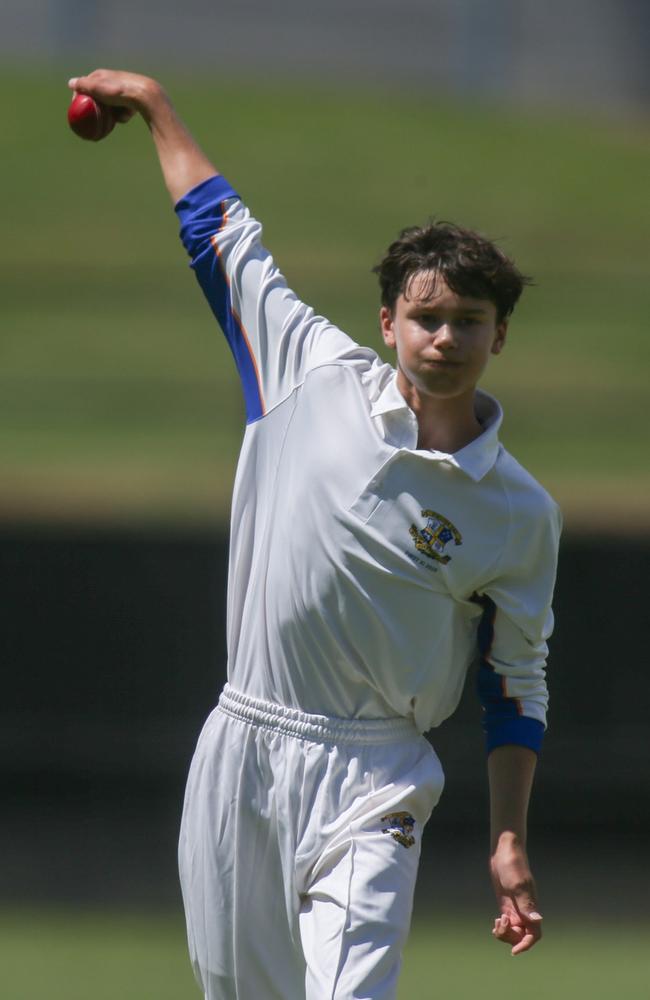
[{"x": 520, "y": 922}]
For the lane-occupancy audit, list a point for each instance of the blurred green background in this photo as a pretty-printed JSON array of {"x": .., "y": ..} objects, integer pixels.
[
  {"x": 119, "y": 406},
  {"x": 119, "y": 399},
  {"x": 133, "y": 957}
]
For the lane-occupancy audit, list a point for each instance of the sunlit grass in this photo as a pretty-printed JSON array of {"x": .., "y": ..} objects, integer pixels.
[
  {"x": 111, "y": 361},
  {"x": 74, "y": 954}
]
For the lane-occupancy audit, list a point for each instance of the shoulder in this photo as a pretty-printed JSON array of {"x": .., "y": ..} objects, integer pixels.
[
  {"x": 363, "y": 363},
  {"x": 530, "y": 504}
]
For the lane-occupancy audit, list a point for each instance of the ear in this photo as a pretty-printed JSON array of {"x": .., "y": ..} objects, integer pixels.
[
  {"x": 500, "y": 337},
  {"x": 387, "y": 326}
]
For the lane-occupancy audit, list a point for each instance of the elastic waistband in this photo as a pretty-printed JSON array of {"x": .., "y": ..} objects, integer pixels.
[{"x": 315, "y": 728}]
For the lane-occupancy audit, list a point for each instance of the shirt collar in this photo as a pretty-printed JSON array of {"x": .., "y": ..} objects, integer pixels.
[
  {"x": 390, "y": 398},
  {"x": 476, "y": 458}
]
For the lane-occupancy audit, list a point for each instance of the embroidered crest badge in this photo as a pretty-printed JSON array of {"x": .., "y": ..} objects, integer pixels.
[
  {"x": 436, "y": 534},
  {"x": 400, "y": 827}
]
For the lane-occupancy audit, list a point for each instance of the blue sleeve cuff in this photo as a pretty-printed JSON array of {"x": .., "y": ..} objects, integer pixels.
[
  {"x": 213, "y": 190},
  {"x": 521, "y": 731}
]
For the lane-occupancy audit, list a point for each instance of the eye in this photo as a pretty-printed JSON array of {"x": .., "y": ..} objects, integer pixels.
[{"x": 428, "y": 319}]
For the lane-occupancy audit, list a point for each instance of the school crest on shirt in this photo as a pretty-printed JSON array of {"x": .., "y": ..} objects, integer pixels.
[
  {"x": 432, "y": 539},
  {"x": 400, "y": 826}
]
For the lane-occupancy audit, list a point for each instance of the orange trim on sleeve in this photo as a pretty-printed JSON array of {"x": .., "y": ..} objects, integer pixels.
[
  {"x": 237, "y": 317},
  {"x": 504, "y": 692}
]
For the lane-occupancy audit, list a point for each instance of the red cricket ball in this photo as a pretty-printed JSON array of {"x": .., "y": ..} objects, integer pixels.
[{"x": 88, "y": 119}]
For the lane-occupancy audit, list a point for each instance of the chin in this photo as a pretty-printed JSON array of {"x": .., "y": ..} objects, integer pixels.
[{"x": 441, "y": 386}]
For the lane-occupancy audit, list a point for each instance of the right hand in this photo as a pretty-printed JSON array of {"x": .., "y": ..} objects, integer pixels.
[
  {"x": 183, "y": 163},
  {"x": 126, "y": 93}
]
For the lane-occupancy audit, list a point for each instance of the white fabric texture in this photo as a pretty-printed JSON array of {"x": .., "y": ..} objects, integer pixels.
[
  {"x": 331, "y": 607},
  {"x": 295, "y": 881},
  {"x": 360, "y": 569}
]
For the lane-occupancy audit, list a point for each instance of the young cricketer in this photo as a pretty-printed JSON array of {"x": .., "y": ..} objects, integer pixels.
[{"x": 381, "y": 538}]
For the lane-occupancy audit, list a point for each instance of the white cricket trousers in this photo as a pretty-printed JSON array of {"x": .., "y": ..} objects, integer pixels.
[{"x": 299, "y": 850}]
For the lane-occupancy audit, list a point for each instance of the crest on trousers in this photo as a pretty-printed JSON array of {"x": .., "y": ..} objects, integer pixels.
[
  {"x": 437, "y": 533},
  {"x": 400, "y": 826}
]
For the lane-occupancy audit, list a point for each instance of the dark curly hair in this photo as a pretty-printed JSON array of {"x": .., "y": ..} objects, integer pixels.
[{"x": 470, "y": 264}]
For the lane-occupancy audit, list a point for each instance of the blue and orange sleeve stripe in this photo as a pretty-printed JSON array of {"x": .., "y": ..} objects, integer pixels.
[
  {"x": 503, "y": 718},
  {"x": 203, "y": 215}
]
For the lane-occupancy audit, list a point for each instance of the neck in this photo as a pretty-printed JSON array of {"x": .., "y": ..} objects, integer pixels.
[{"x": 445, "y": 425}]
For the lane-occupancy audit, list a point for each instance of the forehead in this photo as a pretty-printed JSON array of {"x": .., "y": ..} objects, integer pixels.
[{"x": 429, "y": 288}]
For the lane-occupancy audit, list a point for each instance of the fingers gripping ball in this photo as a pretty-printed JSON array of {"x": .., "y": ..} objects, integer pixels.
[{"x": 88, "y": 119}]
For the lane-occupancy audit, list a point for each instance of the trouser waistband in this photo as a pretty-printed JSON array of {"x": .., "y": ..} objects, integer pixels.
[{"x": 316, "y": 728}]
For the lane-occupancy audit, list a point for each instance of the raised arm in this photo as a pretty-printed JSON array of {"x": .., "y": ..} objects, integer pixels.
[
  {"x": 183, "y": 163},
  {"x": 274, "y": 337}
]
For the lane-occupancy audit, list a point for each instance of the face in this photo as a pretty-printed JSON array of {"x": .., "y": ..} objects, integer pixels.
[{"x": 443, "y": 340}]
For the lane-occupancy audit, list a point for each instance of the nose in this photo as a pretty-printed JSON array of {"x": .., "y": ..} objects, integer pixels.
[{"x": 445, "y": 335}]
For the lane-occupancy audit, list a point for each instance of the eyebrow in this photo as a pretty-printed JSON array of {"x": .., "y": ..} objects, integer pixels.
[{"x": 433, "y": 307}]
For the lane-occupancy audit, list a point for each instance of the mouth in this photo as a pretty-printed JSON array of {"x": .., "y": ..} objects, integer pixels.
[{"x": 441, "y": 363}]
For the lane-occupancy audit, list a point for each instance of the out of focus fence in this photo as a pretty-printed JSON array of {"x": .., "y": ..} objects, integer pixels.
[
  {"x": 114, "y": 653},
  {"x": 586, "y": 54}
]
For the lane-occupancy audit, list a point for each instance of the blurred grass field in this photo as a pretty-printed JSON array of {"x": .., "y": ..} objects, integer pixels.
[
  {"x": 118, "y": 397},
  {"x": 65, "y": 955}
]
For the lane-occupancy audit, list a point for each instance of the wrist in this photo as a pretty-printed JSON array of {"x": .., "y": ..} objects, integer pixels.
[
  {"x": 151, "y": 99},
  {"x": 507, "y": 841}
]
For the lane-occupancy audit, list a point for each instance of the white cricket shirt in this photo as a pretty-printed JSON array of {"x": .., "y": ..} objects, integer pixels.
[{"x": 365, "y": 574}]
